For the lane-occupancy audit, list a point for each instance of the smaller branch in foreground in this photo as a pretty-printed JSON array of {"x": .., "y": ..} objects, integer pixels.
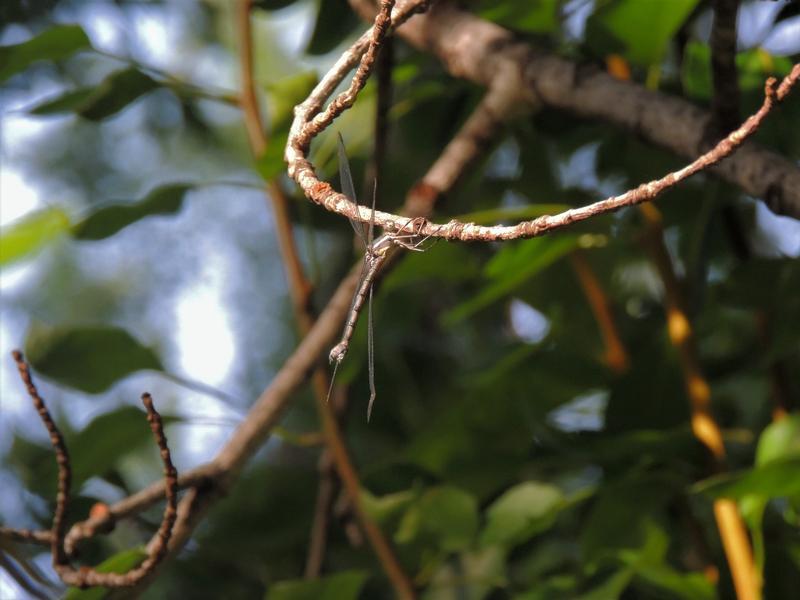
[{"x": 86, "y": 576}]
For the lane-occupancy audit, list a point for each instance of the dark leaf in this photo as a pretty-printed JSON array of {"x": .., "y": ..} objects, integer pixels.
[
  {"x": 98, "y": 447},
  {"x": 522, "y": 512},
  {"x": 108, "y": 220},
  {"x": 88, "y": 358},
  {"x": 335, "y": 21},
  {"x": 272, "y": 4},
  {"x": 110, "y": 96},
  {"x": 512, "y": 266},
  {"x": 56, "y": 43},
  {"x": 345, "y": 585},
  {"x": 31, "y": 233}
]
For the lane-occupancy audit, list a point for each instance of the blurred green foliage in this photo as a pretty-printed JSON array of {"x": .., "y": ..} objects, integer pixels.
[{"x": 498, "y": 467}]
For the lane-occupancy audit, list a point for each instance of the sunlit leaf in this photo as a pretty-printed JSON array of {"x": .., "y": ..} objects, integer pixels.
[
  {"x": 779, "y": 440},
  {"x": 108, "y": 220},
  {"x": 776, "y": 479},
  {"x": 345, "y": 585},
  {"x": 753, "y": 67},
  {"x": 536, "y": 16},
  {"x": 444, "y": 515},
  {"x": 513, "y": 265},
  {"x": 383, "y": 508},
  {"x": 119, "y": 563},
  {"x": 643, "y": 28},
  {"x": 30, "y": 233},
  {"x": 283, "y": 95},
  {"x": 521, "y": 512},
  {"x": 88, "y": 358},
  {"x": 56, "y": 43}
]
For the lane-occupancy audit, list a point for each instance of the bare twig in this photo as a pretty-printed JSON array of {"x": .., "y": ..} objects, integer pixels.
[
  {"x": 85, "y": 576},
  {"x": 30, "y": 536},
  {"x": 616, "y": 357}
]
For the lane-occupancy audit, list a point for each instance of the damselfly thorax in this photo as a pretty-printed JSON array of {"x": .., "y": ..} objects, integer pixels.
[{"x": 376, "y": 252}]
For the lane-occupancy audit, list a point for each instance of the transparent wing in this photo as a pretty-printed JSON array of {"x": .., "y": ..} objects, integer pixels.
[
  {"x": 348, "y": 189},
  {"x": 370, "y": 357}
]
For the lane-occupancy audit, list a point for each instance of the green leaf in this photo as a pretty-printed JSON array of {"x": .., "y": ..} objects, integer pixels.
[
  {"x": 283, "y": 95},
  {"x": 753, "y": 67},
  {"x": 65, "y": 103},
  {"x": 335, "y": 21},
  {"x": 88, "y": 358},
  {"x": 56, "y": 43},
  {"x": 98, "y": 448},
  {"x": 779, "y": 440},
  {"x": 512, "y": 266},
  {"x": 108, "y": 220},
  {"x": 271, "y": 164},
  {"x": 534, "y": 16},
  {"x": 644, "y": 28},
  {"x": 110, "y": 96},
  {"x": 446, "y": 516},
  {"x": 382, "y": 509},
  {"x": 119, "y": 563},
  {"x": 345, "y": 585},
  {"x": 522, "y": 512},
  {"x": 31, "y": 233},
  {"x": 623, "y": 511},
  {"x": 273, "y": 4},
  {"x": 776, "y": 479},
  {"x": 611, "y": 588}
]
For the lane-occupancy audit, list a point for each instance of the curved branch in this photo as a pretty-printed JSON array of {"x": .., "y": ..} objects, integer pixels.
[{"x": 479, "y": 51}]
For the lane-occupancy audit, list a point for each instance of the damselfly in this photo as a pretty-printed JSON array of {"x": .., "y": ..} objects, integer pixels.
[{"x": 375, "y": 254}]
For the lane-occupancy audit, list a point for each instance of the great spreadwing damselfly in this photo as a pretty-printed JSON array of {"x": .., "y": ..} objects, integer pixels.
[{"x": 375, "y": 253}]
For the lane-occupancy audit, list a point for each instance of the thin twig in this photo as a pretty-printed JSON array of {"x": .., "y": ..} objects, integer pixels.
[
  {"x": 30, "y": 536},
  {"x": 62, "y": 459},
  {"x": 616, "y": 357},
  {"x": 86, "y": 576},
  {"x": 322, "y": 193}
]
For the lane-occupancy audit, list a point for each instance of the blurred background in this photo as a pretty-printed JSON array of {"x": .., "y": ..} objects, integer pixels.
[{"x": 139, "y": 255}]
